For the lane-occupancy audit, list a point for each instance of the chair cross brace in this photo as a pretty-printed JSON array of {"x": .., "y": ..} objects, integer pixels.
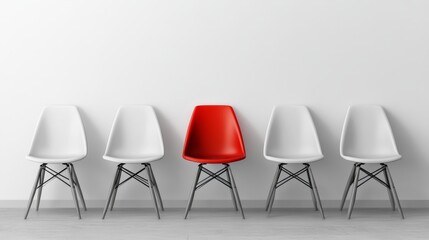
[
  {"x": 212, "y": 176},
  {"x": 131, "y": 175},
  {"x": 293, "y": 176},
  {"x": 54, "y": 174},
  {"x": 373, "y": 175}
]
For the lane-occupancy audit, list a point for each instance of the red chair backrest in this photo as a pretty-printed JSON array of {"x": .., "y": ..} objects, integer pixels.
[{"x": 213, "y": 133}]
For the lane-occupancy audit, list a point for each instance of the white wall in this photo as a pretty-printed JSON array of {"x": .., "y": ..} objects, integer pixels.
[{"x": 251, "y": 54}]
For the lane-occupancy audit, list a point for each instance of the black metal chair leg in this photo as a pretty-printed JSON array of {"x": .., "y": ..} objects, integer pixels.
[
  {"x": 389, "y": 190},
  {"x": 33, "y": 191},
  {"x": 353, "y": 197},
  {"x": 116, "y": 186},
  {"x": 73, "y": 190},
  {"x": 152, "y": 191},
  {"x": 235, "y": 191},
  {"x": 273, "y": 186},
  {"x": 348, "y": 184},
  {"x": 39, "y": 192},
  {"x": 194, "y": 187},
  {"x": 79, "y": 190},
  {"x": 110, "y": 193},
  {"x": 313, "y": 183},
  {"x": 394, "y": 192},
  {"x": 155, "y": 184},
  {"x": 313, "y": 197}
]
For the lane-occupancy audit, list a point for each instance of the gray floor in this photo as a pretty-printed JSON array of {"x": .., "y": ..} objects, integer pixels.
[{"x": 214, "y": 224}]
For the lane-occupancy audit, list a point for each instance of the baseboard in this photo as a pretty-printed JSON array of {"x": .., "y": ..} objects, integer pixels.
[{"x": 327, "y": 204}]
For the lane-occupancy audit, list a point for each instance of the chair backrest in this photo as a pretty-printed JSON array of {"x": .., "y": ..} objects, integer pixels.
[
  {"x": 367, "y": 132},
  {"x": 291, "y": 133},
  {"x": 213, "y": 132},
  {"x": 135, "y": 133},
  {"x": 59, "y": 133}
]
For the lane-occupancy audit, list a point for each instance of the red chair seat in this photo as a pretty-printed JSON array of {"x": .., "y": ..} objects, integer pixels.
[
  {"x": 213, "y": 136},
  {"x": 215, "y": 159}
]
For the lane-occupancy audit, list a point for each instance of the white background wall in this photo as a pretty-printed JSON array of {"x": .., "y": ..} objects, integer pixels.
[{"x": 251, "y": 54}]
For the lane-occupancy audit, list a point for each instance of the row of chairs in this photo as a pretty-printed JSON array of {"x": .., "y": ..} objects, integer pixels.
[{"x": 214, "y": 137}]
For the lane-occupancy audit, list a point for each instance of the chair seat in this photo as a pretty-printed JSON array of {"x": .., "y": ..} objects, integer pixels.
[
  {"x": 56, "y": 159},
  {"x": 295, "y": 159},
  {"x": 215, "y": 159},
  {"x": 133, "y": 159},
  {"x": 373, "y": 158}
]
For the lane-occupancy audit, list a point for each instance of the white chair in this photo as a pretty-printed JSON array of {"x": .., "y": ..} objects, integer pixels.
[
  {"x": 59, "y": 139},
  {"x": 135, "y": 138},
  {"x": 292, "y": 138},
  {"x": 367, "y": 138}
]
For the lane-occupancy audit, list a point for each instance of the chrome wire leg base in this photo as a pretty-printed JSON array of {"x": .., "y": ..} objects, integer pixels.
[
  {"x": 70, "y": 181},
  {"x": 357, "y": 182},
  {"x": 229, "y": 182},
  {"x": 150, "y": 183},
  {"x": 310, "y": 183}
]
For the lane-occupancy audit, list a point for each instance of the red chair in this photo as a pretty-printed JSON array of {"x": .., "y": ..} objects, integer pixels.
[{"x": 214, "y": 137}]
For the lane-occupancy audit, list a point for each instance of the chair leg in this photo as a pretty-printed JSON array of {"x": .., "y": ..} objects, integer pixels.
[
  {"x": 152, "y": 191},
  {"x": 194, "y": 187},
  {"x": 273, "y": 187},
  {"x": 273, "y": 195},
  {"x": 234, "y": 201},
  {"x": 235, "y": 191},
  {"x": 73, "y": 190},
  {"x": 115, "y": 188},
  {"x": 394, "y": 192},
  {"x": 348, "y": 184},
  {"x": 42, "y": 179},
  {"x": 33, "y": 191},
  {"x": 155, "y": 184},
  {"x": 313, "y": 197},
  {"x": 313, "y": 183},
  {"x": 111, "y": 192},
  {"x": 389, "y": 190},
  {"x": 353, "y": 197},
  {"x": 79, "y": 190}
]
